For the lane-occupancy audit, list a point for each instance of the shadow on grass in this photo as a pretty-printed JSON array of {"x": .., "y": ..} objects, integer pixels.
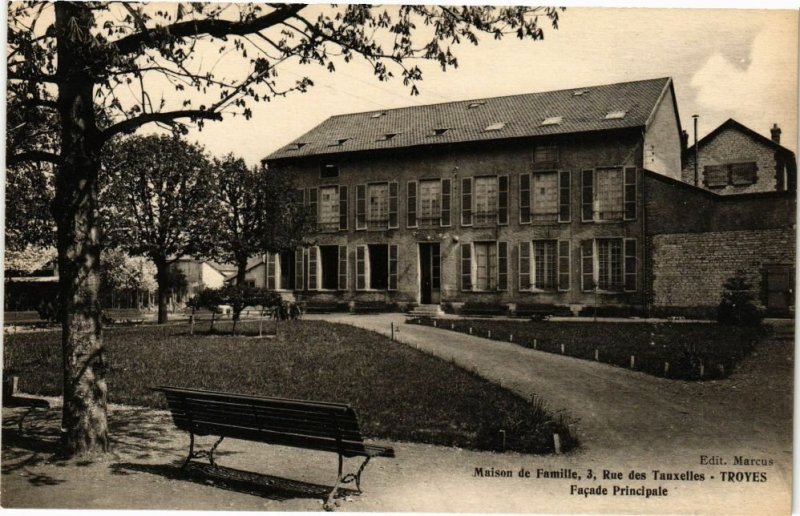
[{"x": 230, "y": 479}]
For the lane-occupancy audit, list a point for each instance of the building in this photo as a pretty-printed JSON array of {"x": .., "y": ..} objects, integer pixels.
[
  {"x": 734, "y": 159},
  {"x": 201, "y": 274},
  {"x": 541, "y": 198}
]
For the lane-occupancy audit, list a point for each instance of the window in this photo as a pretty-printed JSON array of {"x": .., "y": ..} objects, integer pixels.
[
  {"x": 608, "y": 194},
  {"x": 473, "y": 105},
  {"x": 544, "y": 196},
  {"x": 287, "y": 273},
  {"x": 328, "y": 170},
  {"x": 485, "y": 200},
  {"x": 296, "y": 146},
  {"x": 484, "y": 266},
  {"x": 495, "y": 126},
  {"x": 715, "y": 176},
  {"x": 736, "y": 174},
  {"x": 377, "y": 115},
  {"x": 328, "y": 219},
  {"x": 545, "y": 264},
  {"x": 552, "y": 120},
  {"x": 430, "y": 203},
  {"x": 376, "y": 267},
  {"x": 439, "y": 131},
  {"x": 743, "y": 173},
  {"x": 378, "y": 205},
  {"x": 609, "y": 264},
  {"x": 545, "y": 153},
  {"x": 615, "y": 115},
  {"x": 329, "y": 266}
]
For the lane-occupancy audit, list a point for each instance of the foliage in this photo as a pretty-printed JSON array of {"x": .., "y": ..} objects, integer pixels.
[
  {"x": 397, "y": 392},
  {"x": 28, "y": 259},
  {"x": 120, "y": 271},
  {"x": 685, "y": 346},
  {"x": 739, "y": 306}
]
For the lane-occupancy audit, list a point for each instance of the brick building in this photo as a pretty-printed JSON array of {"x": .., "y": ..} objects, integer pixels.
[
  {"x": 535, "y": 198},
  {"x": 734, "y": 159}
]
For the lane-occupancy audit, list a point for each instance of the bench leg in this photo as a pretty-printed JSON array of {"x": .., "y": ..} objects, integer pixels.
[
  {"x": 328, "y": 505},
  {"x": 191, "y": 451},
  {"x": 211, "y": 452},
  {"x": 356, "y": 476}
]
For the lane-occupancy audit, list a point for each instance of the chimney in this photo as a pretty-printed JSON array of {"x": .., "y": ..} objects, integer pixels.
[{"x": 776, "y": 133}]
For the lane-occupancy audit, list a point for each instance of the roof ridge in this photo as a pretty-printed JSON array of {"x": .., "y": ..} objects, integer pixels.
[{"x": 483, "y": 99}]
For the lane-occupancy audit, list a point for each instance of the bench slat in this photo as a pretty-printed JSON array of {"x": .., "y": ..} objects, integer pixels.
[
  {"x": 260, "y": 424},
  {"x": 221, "y": 396}
]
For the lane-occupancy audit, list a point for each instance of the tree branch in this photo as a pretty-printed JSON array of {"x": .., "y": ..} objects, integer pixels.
[
  {"x": 132, "y": 124},
  {"x": 35, "y": 155},
  {"x": 213, "y": 27}
]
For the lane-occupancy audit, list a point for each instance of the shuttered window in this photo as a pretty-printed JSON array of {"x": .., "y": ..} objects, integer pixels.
[
  {"x": 715, "y": 176},
  {"x": 393, "y": 217},
  {"x": 524, "y": 259},
  {"x": 393, "y": 256},
  {"x": 609, "y": 264},
  {"x": 343, "y": 207},
  {"x": 630, "y": 264},
  {"x": 743, "y": 173},
  {"x": 502, "y": 265},
  {"x": 544, "y": 205},
  {"x": 411, "y": 204},
  {"x": 587, "y": 265},
  {"x": 466, "y": 201},
  {"x": 446, "y": 196},
  {"x": 466, "y": 267},
  {"x": 563, "y": 265},
  {"x": 524, "y": 198},
  {"x": 630, "y": 193},
  {"x": 271, "y": 284},
  {"x": 361, "y": 267},
  {"x": 545, "y": 264},
  {"x": 342, "y": 267},
  {"x": 328, "y": 206},
  {"x": 564, "y": 214},
  {"x": 502, "y": 200},
  {"x": 311, "y": 195},
  {"x": 361, "y": 206}
]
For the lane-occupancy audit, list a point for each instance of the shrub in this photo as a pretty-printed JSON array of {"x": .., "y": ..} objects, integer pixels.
[{"x": 739, "y": 306}]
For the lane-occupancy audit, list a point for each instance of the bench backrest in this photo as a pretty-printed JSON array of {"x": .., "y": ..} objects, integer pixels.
[{"x": 302, "y": 424}]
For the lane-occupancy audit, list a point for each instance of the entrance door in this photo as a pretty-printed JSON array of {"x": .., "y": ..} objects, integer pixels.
[
  {"x": 779, "y": 289},
  {"x": 429, "y": 272}
]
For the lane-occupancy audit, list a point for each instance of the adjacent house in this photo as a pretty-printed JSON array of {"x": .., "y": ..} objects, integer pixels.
[
  {"x": 734, "y": 159},
  {"x": 543, "y": 198},
  {"x": 201, "y": 274}
]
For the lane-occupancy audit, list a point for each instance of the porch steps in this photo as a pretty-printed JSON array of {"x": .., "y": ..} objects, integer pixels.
[{"x": 427, "y": 311}]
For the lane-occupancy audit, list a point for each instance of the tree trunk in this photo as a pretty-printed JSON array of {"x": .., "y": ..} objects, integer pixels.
[
  {"x": 84, "y": 423},
  {"x": 241, "y": 269},
  {"x": 162, "y": 278}
]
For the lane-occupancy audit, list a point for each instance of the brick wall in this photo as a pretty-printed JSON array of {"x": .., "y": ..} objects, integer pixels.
[{"x": 689, "y": 269}]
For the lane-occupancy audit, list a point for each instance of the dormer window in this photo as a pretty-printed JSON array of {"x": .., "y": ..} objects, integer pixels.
[
  {"x": 387, "y": 137},
  {"x": 340, "y": 142},
  {"x": 495, "y": 126},
  {"x": 296, "y": 146},
  {"x": 552, "y": 120},
  {"x": 615, "y": 115},
  {"x": 439, "y": 131},
  {"x": 477, "y": 104},
  {"x": 579, "y": 93},
  {"x": 377, "y": 115}
]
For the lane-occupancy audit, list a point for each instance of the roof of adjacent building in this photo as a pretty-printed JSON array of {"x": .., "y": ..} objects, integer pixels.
[
  {"x": 575, "y": 110},
  {"x": 738, "y": 126}
]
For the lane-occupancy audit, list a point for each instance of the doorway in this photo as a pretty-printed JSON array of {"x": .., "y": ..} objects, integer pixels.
[
  {"x": 430, "y": 273},
  {"x": 779, "y": 291}
]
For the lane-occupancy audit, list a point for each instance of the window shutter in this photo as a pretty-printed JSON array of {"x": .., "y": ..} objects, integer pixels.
[
  {"x": 436, "y": 267},
  {"x": 587, "y": 265},
  {"x": 361, "y": 206},
  {"x": 298, "y": 268},
  {"x": 466, "y": 266},
  {"x": 300, "y": 196},
  {"x": 630, "y": 193},
  {"x": 524, "y": 266},
  {"x": 743, "y": 173},
  {"x": 563, "y": 265},
  {"x": 445, "y": 218},
  {"x": 343, "y": 207},
  {"x": 502, "y": 265},
  {"x": 312, "y": 203},
  {"x": 524, "y": 198},
  {"x": 342, "y": 267},
  {"x": 502, "y": 200},
  {"x": 466, "y": 202},
  {"x": 411, "y": 204},
  {"x": 715, "y": 176},
  {"x": 393, "y": 221},
  {"x": 587, "y": 196},
  {"x": 312, "y": 268},
  {"x": 392, "y": 266},
  {"x": 564, "y": 179},
  {"x": 630, "y": 264},
  {"x": 361, "y": 267},
  {"x": 271, "y": 284}
]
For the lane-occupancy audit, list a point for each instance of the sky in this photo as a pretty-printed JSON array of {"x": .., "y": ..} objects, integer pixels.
[{"x": 725, "y": 63}]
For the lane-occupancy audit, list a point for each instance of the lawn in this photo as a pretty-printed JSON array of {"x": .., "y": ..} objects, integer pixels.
[
  {"x": 399, "y": 393},
  {"x": 687, "y": 351}
]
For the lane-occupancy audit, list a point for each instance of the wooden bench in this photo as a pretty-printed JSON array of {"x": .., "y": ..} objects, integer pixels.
[
  {"x": 483, "y": 310},
  {"x": 373, "y": 307},
  {"x": 312, "y": 425},
  {"x": 541, "y": 312},
  {"x": 118, "y": 316}
]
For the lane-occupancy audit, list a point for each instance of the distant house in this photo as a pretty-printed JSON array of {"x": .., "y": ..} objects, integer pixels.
[
  {"x": 266, "y": 271},
  {"x": 202, "y": 274},
  {"x": 735, "y": 159}
]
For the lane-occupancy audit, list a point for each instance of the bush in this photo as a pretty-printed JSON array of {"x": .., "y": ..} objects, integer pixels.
[{"x": 739, "y": 306}]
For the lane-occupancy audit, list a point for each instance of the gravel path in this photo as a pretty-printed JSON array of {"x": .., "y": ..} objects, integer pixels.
[{"x": 625, "y": 420}]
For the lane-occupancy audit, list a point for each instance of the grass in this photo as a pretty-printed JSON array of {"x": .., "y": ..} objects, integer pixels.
[
  {"x": 399, "y": 393},
  {"x": 693, "y": 351}
]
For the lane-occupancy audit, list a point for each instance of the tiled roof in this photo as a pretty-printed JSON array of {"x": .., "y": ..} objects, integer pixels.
[{"x": 579, "y": 109}]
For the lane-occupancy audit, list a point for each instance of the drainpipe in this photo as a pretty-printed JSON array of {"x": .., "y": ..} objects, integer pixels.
[{"x": 696, "y": 162}]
